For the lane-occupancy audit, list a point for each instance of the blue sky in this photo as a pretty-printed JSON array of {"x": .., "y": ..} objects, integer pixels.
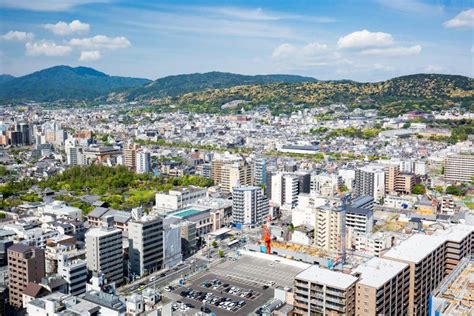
[{"x": 360, "y": 40}]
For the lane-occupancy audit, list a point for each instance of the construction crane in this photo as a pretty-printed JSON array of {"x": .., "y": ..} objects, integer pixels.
[{"x": 267, "y": 238}]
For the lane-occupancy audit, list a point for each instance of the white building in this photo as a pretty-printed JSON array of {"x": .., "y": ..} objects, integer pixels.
[
  {"x": 372, "y": 244},
  {"x": 74, "y": 272},
  {"x": 59, "y": 209},
  {"x": 143, "y": 161},
  {"x": 249, "y": 205},
  {"x": 370, "y": 180},
  {"x": 285, "y": 190},
  {"x": 178, "y": 198}
]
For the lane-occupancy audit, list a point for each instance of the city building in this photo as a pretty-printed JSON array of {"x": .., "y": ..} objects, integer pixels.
[
  {"x": 145, "y": 247},
  {"x": 249, "y": 205},
  {"x": 25, "y": 264},
  {"x": 172, "y": 254},
  {"x": 284, "y": 190},
  {"x": 319, "y": 291},
  {"x": 370, "y": 180},
  {"x": 130, "y": 156},
  {"x": 104, "y": 251},
  {"x": 143, "y": 161},
  {"x": 382, "y": 288},
  {"x": 178, "y": 198},
  {"x": 459, "y": 168},
  {"x": 260, "y": 171}
]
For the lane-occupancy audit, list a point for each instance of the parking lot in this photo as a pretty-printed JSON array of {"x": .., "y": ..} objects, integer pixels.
[{"x": 223, "y": 296}]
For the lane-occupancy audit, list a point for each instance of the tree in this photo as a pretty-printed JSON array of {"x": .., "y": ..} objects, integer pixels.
[
  {"x": 214, "y": 244},
  {"x": 419, "y": 189},
  {"x": 221, "y": 253},
  {"x": 455, "y": 190},
  {"x": 439, "y": 189}
]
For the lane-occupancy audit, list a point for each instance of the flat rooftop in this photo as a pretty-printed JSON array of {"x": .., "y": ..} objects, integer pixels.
[
  {"x": 378, "y": 271},
  {"x": 415, "y": 248},
  {"x": 327, "y": 277}
]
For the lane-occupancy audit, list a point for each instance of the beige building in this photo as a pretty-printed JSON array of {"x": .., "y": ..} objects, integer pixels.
[
  {"x": 25, "y": 264},
  {"x": 391, "y": 174},
  {"x": 430, "y": 259},
  {"x": 404, "y": 183},
  {"x": 320, "y": 291},
  {"x": 130, "y": 156},
  {"x": 459, "y": 168},
  {"x": 383, "y": 287},
  {"x": 328, "y": 227}
]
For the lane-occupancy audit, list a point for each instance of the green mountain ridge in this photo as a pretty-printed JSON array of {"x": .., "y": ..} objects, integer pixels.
[{"x": 64, "y": 83}]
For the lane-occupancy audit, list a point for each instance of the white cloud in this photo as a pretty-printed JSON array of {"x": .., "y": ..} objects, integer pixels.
[
  {"x": 91, "y": 55},
  {"x": 412, "y": 6},
  {"x": 100, "y": 41},
  {"x": 393, "y": 51},
  {"x": 465, "y": 19},
  {"x": 46, "y": 48},
  {"x": 472, "y": 49},
  {"x": 45, "y": 5},
  {"x": 63, "y": 28},
  {"x": 18, "y": 36},
  {"x": 245, "y": 14},
  {"x": 310, "y": 55},
  {"x": 365, "y": 39}
]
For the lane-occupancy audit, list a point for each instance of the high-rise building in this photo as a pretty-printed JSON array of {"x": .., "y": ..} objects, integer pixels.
[
  {"x": 459, "y": 168},
  {"x": 235, "y": 174},
  {"x": 392, "y": 172},
  {"x": 328, "y": 228},
  {"x": 143, "y": 161},
  {"x": 249, "y": 205},
  {"x": 319, "y": 291},
  {"x": 430, "y": 259},
  {"x": 25, "y": 264},
  {"x": 145, "y": 244},
  {"x": 130, "y": 156},
  {"x": 370, "y": 180},
  {"x": 382, "y": 288},
  {"x": 404, "y": 183},
  {"x": 260, "y": 171},
  {"x": 172, "y": 255},
  {"x": 74, "y": 272},
  {"x": 285, "y": 189},
  {"x": 218, "y": 162},
  {"x": 104, "y": 251}
]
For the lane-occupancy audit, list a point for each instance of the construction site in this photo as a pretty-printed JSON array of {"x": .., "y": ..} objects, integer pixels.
[{"x": 455, "y": 296}]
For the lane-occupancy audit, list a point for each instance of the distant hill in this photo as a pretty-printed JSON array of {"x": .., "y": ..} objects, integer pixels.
[
  {"x": 173, "y": 86},
  {"x": 5, "y": 78},
  {"x": 64, "y": 82},
  {"x": 391, "y": 97}
]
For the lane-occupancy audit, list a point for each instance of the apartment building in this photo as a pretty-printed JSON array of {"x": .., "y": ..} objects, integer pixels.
[
  {"x": 104, "y": 251},
  {"x": 359, "y": 220},
  {"x": 259, "y": 171},
  {"x": 431, "y": 258},
  {"x": 382, "y": 288},
  {"x": 130, "y": 156},
  {"x": 235, "y": 174},
  {"x": 25, "y": 264},
  {"x": 404, "y": 183},
  {"x": 391, "y": 174},
  {"x": 285, "y": 189},
  {"x": 249, "y": 205},
  {"x": 143, "y": 161},
  {"x": 328, "y": 228},
  {"x": 459, "y": 168},
  {"x": 74, "y": 272},
  {"x": 145, "y": 244},
  {"x": 370, "y": 180},
  {"x": 319, "y": 291}
]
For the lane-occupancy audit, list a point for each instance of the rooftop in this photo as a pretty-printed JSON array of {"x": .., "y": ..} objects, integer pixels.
[
  {"x": 378, "y": 271},
  {"x": 189, "y": 212},
  {"x": 327, "y": 277}
]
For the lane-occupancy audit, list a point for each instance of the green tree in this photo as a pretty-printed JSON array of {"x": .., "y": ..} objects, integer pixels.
[
  {"x": 419, "y": 189},
  {"x": 221, "y": 253},
  {"x": 455, "y": 190},
  {"x": 439, "y": 189},
  {"x": 214, "y": 244}
]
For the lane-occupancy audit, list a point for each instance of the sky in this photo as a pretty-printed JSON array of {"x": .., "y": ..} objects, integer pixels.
[{"x": 368, "y": 40}]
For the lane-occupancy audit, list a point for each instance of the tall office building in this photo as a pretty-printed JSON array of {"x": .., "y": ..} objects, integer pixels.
[
  {"x": 143, "y": 162},
  {"x": 145, "y": 244},
  {"x": 26, "y": 133},
  {"x": 459, "y": 168},
  {"x": 25, "y": 264},
  {"x": 249, "y": 205},
  {"x": 104, "y": 251},
  {"x": 370, "y": 180},
  {"x": 74, "y": 272},
  {"x": 260, "y": 171},
  {"x": 74, "y": 152}
]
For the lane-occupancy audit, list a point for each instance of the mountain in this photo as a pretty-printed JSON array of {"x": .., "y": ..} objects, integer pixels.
[
  {"x": 421, "y": 91},
  {"x": 64, "y": 82},
  {"x": 5, "y": 78},
  {"x": 173, "y": 86}
]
